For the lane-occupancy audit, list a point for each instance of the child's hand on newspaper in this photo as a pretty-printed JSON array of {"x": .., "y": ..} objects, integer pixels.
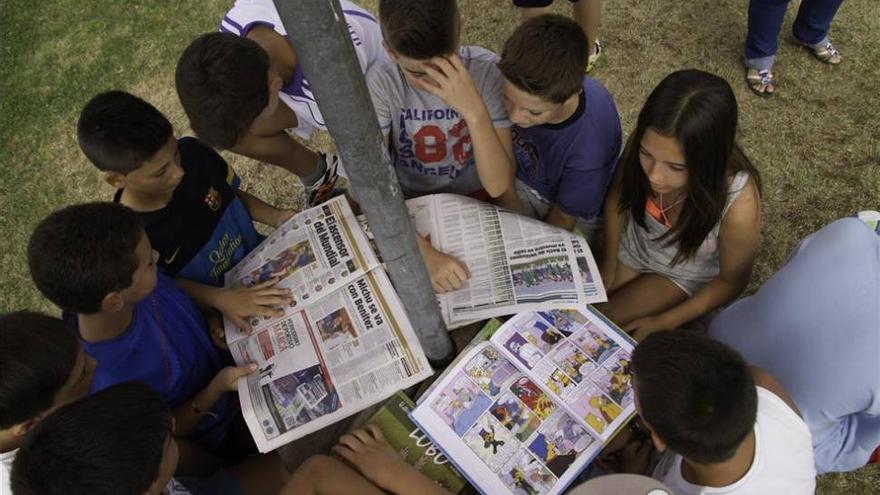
[
  {"x": 447, "y": 273},
  {"x": 262, "y": 300},
  {"x": 226, "y": 380},
  {"x": 635, "y": 455},
  {"x": 369, "y": 453},
  {"x": 448, "y": 79}
]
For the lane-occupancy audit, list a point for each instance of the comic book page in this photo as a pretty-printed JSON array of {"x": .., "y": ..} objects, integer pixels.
[
  {"x": 516, "y": 263},
  {"x": 514, "y": 425}
]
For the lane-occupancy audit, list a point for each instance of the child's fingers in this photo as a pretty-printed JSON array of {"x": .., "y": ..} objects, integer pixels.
[
  {"x": 345, "y": 453},
  {"x": 241, "y": 323},
  {"x": 361, "y": 435},
  {"x": 461, "y": 270},
  {"x": 444, "y": 65},
  {"x": 268, "y": 283},
  {"x": 273, "y": 300},
  {"x": 352, "y": 442},
  {"x": 376, "y": 432},
  {"x": 433, "y": 72},
  {"x": 456, "y": 62}
]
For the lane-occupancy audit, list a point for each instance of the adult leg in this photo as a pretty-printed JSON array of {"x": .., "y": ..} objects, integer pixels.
[
  {"x": 762, "y": 38},
  {"x": 533, "y": 8},
  {"x": 646, "y": 295},
  {"x": 811, "y": 28}
]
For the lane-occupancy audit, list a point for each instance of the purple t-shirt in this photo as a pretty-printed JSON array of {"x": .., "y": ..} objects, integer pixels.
[{"x": 571, "y": 163}]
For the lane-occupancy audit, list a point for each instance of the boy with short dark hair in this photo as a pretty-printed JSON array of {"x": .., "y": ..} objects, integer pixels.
[
  {"x": 120, "y": 441},
  {"x": 95, "y": 262},
  {"x": 187, "y": 196},
  {"x": 566, "y": 131},
  {"x": 243, "y": 87},
  {"x": 43, "y": 368},
  {"x": 440, "y": 107},
  {"x": 722, "y": 425}
]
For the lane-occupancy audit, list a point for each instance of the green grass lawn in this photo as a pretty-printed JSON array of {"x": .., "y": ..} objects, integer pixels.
[{"x": 816, "y": 143}]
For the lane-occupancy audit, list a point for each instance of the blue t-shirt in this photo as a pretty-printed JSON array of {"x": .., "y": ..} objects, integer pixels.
[
  {"x": 167, "y": 347},
  {"x": 205, "y": 229},
  {"x": 571, "y": 163}
]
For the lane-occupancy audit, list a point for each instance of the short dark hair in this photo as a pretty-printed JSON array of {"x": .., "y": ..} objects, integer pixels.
[
  {"x": 79, "y": 254},
  {"x": 420, "y": 29},
  {"x": 223, "y": 84},
  {"x": 37, "y": 355},
  {"x": 109, "y": 443},
  {"x": 118, "y": 131},
  {"x": 545, "y": 56},
  {"x": 697, "y": 394}
]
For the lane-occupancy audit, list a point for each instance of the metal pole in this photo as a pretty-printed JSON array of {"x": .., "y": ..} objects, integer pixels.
[{"x": 318, "y": 31}]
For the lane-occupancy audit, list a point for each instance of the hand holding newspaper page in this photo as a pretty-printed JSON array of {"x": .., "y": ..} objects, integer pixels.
[
  {"x": 516, "y": 263},
  {"x": 528, "y": 410},
  {"x": 343, "y": 344}
]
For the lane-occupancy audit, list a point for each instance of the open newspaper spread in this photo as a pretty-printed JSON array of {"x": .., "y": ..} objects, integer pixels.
[
  {"x": 517, "y": 263},
  {"x": 526, "y": 411},
  {"x": 344, "y": 343}
]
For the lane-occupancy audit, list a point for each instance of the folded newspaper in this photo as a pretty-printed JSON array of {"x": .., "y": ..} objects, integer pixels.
[
  {"x": 343, "y": 344},
  {"x": 517, "y": 263},
  {"x": 526, "y": 411}
]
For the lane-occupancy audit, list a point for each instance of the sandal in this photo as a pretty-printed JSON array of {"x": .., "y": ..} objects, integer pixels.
[
  {"x": 761, "y": 82},
  {"x": 826, "y": 53},
  {"x": 592, "y": 59}
]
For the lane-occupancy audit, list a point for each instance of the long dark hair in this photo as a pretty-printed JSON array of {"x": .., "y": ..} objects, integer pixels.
[{"x": 699, "y": 110}]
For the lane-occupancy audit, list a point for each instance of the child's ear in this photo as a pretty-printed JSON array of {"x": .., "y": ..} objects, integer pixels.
[
  {"x": 115, "y": 179},
  {"x": 112, "y": 303}
]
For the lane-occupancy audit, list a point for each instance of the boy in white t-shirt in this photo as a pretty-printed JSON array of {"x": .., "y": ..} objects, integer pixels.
[
  {"x": 232, "y": 83},
  {"x": 441, "y": 109},
  {"x": 722, "y": 426},
  {"x": 42, "y": 367}
]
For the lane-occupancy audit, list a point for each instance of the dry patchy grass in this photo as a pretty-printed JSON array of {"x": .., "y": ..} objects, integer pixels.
[{"x": 816, "y": 142}]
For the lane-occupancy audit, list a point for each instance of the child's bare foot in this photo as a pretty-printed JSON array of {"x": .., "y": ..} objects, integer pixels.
[{"x": 369, "y": 453}]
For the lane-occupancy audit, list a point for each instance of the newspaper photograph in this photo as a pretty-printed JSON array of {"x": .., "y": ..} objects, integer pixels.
[
  {"x": 516, "y": 263},
  {"x": 312, "y": 253},
  {"x": 343, "y": 344}
]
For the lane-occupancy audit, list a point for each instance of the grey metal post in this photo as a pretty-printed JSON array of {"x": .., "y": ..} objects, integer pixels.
[{"x": 317, "y": 30}]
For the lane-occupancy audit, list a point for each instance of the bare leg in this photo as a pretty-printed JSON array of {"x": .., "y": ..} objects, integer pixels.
[
  {"x": 195, "y": 461},
  {"x": 260, "y": 475},
  {"x": 646, "y": 295},
  {"x": 323, "y": 475},
  {"x": 588, "y": 13},
  {"x": 278, "y": 149}
]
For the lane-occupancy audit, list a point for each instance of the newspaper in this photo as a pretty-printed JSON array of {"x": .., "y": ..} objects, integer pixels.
[
  {"x": 529, "y": 409},
  {"x": 516, "y": 263},
  {"x": 344, "y": 343}
]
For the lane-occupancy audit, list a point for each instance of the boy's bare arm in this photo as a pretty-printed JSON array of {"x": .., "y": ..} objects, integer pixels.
[
  {"x": 189, "y": 414},
  {"x": 446, "y": 272},
  {"x": 492, "y": 147},
  {"x": 261, "y": 211}
]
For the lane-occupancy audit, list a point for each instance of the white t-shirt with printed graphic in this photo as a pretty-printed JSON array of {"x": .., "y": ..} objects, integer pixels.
[
  {"x": 365, "y": 36},
  {"x": 430, "y": 143},
  {"x": 783, "y": 461}
]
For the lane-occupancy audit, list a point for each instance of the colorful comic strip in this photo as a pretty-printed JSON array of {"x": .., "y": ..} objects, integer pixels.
[
  {"x": 573, "y": 361},
  {"x": 532, "y": 396},
  {"x": 567, "y": 321},
  {"x": 515, "y": 416},
  {"x": 491, "y": 371},
  {"x": 559, "y": 442},
  {"x": 558, "y": 382},
  {"x": 595, "y": 343},
  {"x": 491, "y": 442},
  {"x": 595, "y": 408},
  {"x": 525, "y": 475},
  {"x": 525, "y": 352},
  {"x": 615, "y": 379},
  {"x": 461, "y": 403}
]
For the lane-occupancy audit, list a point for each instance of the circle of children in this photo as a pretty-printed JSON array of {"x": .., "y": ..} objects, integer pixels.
[{"x": 760, "y": 405}]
